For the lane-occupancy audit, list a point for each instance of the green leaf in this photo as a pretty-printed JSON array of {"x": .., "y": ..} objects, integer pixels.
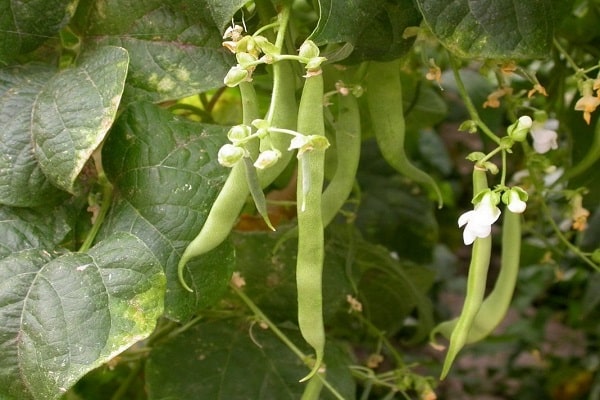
[
  {"x": 22, "y": 229},
  {"x": 27, "y": 24},
  {"x": 492, "y": 29},
  {"x": 175, "y": 47},
  {"x": 22, "y": 182},
  {"x": 167, "y": 176},
  {"x": 373, "y": 27},
  {"x": 73, "y": 112},
  {"x": 230, "y": 359},
  {"x": 62, "y": 317},
  {"x": 273, "y": 286}
]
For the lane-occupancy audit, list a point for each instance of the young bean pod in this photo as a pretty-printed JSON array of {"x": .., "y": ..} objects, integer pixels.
[
  {"x": 309, "y": 267},
  {"x": 496, "y": 304},
  {"x": 476, "y": 282},
  {"x": 230, "y": 201},
  {"x": 384, "y": 100},
  {"x": 348, "y": 140}
]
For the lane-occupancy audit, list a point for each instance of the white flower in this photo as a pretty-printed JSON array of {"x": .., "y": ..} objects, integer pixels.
[
  {"x": 229, "y": 155},
  {"x": 267, "y": 158},
  {"x": 515, "y": 204},
  {"x": 544, "y": 136},
  {"x": 479, "y": 220}
]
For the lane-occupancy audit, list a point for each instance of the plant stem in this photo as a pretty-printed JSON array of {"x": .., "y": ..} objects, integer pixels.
[
  {"x": 107, "y": 195},
  {"x": 469, "y": 104},
  {"x": 261, "y": 316}
]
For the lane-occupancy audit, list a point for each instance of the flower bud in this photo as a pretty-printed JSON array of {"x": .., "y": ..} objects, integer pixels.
[
  {"x": 518, "y": 130},
  {"x": 514, "y": 199},
  {"x": 309, "y": 50},
  {"x": 267, "y": 158},
  {"x": 235, "y": 76},
  {"x": 238, "y": 133},
  {"x": 266, "y": 46},
  {"x": 245, "y": 60},
  {"x": 229, "y": 155}
]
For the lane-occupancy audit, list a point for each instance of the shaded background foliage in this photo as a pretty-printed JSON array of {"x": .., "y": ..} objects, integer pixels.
[{"x": 79, "y": 319}]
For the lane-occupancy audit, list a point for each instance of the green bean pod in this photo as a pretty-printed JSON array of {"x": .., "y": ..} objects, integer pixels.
[
  {"x": 496, "y": 304},
  {"x": 348, "y": 140},
  {"x": 476, "y": 282},
  {"x": 232, "y": 197},
  {"x": 230, "y": 200},
  {"x": 312, "y": 390},
  {"x": 384, "y": 100},
  {"x": 311, "y": 253}
]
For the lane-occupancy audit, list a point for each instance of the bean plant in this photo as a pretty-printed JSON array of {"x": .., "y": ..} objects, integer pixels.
[{"x": 299, "y": 199}]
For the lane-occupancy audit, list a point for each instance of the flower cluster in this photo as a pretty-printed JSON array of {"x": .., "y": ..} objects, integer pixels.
[
  {"x": 239, "y": 135},
  {"x": 247, "y": 50},
  {"x": 478, "y": 222}
]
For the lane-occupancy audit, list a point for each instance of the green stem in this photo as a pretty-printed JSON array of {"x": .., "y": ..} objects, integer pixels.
[
  {"x": 107, "y": 196},
  {"x": 563, "y": 239},
  {"x": 474, "y": 115},
  {"x": 261, "y": 316},
  {"x": 567, "y": 57},
  {"x": 122, "y": 390}
]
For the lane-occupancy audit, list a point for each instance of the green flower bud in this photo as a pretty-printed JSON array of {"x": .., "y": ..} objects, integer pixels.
[
  {"x": 245, "y": 60},
  {"x": 235, "y": 76},
  {"x": 266, "y": 46},
  {"x": 468, "y": 126},
  {"x": 238, "y": 133},
  {"x": 309, "y": 50},
  {"x": 518, "y": 131}
]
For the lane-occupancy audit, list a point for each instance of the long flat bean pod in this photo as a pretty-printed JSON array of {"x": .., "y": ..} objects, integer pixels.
[
  {"x": 476, "y": 282},
  {"x": 384, "y": 99},
  {"x": 496, "y": 304},
  {"x": 309, "y": 267}
]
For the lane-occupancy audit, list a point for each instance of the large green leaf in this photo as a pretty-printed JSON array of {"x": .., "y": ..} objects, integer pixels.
[
  {"x": 73, "y": 112},
  {"x": 492, "y": 28},
  {"x": 22, "y": 229},
  {"x": 175, "y": 47},
  {"x": 232, "y": 360},
  {"x": 62, "y": 317},
  {"x": 24, "y": 25},
  {"x": 167, "y": 176},
  {"x": 22, "y": 182},
  {"x": 374, "y": 28}
]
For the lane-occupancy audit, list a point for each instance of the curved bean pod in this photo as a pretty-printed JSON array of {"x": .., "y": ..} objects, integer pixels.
[
  {"x": 311, "y": 253},
  {"x": 230, "y": 200},
  {"x": 496, "y": 304},
  {"x": 384, "y": 100},
  {"x": 476, "y": 282}
]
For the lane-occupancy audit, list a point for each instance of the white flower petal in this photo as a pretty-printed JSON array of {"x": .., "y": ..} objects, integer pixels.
[
  {"x": 465, "y": 217},
  {"x": 515, "y": 204}
]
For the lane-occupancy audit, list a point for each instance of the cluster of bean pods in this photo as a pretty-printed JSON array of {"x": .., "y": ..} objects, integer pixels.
[
  {"x": 289, "y": 127},
  {"x": 479, "y": 315}
]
